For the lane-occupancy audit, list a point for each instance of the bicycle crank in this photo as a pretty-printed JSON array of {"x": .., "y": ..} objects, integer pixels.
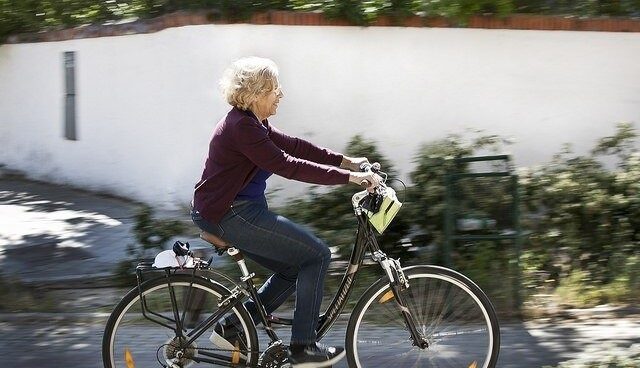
[{"x": 274, "y": 356}]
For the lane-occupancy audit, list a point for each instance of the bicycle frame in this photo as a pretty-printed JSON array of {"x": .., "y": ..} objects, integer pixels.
[{"x": 365, "y": 241}]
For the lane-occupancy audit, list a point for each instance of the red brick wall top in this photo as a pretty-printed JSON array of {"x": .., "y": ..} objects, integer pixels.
[{"x": 179, "y": 19}]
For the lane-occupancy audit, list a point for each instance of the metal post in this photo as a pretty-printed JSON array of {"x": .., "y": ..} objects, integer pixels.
[
  {"x": 518, "y": 240},
  {"x": 448, "y": 220},
  {"x": 450, "y": 232}
]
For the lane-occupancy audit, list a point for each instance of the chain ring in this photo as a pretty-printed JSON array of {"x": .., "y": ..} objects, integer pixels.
[{"x": 275, "y": 356}]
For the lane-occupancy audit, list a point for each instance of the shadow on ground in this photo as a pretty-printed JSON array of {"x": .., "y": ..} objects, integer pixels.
[{"x": 56, "y": 232}]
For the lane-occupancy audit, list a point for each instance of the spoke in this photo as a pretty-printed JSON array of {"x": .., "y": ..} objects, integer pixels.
[
  {"x": 468, "y": 308},
  {"x": 411, "y": 304},
  {"x": 459, "y": 332},
  {"x": 462, "y": 304},
  {"x": 444, "y": 311},
  {"x": 428, "y": 301},
  {"x": 435, "y": 320},
  {"x": 420, "y": 301}
]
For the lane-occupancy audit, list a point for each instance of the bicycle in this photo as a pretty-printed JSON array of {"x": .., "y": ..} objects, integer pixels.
[{"x": 418, "y": 316}]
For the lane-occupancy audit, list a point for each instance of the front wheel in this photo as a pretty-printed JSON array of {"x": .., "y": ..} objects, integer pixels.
[{"x": 451, "y": 312}]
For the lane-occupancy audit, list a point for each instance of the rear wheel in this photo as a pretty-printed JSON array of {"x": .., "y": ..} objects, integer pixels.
[
  {"x": 131, "y": 340},
  {"x": 450, "y": 311}
]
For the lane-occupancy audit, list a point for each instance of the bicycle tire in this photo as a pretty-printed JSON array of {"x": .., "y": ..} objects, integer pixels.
[
  {"x": 149, "y": 339},
  {"x": 454, "y": 314}
]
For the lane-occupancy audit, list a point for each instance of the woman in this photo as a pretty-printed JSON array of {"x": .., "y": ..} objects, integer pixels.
[{"x": 229, "y": 202}]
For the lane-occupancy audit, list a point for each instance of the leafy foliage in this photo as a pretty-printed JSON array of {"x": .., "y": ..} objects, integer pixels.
[
  {"x": 463, "y": 9},
  {"x": 18, "y": 297},
  {"x": 433, "y": 161},
  {"x": 588, "y": 219},
  {"x": 583, "y": 218},
  {"x": 37, "y": 15},
  {"x": 151, "y": 235},
  {"x": 579, "y": 7},
  {"x": 486, "y": 201}
]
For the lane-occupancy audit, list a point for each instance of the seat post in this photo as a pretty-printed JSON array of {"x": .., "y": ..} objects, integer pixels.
[
  {"x": 253, "y": 293},
  {"x": 239, "y": 258}
]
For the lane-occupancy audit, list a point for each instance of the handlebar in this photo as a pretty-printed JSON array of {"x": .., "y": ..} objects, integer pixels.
[
  {"x": 374, "y": 167},
  {"x": 368, "y": 167}
]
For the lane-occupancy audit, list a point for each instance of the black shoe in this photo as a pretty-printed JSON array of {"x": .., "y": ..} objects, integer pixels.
[
  {"x": 315, "y": 356},
  {"x": 229, "y": 338}
]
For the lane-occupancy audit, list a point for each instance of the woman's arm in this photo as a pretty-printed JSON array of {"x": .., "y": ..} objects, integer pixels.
[
  {"x": 301, "y": 148},
  {"x": 260, "y": 147}
]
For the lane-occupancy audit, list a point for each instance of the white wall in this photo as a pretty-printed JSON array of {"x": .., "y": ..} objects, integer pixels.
[{"x": 148, "y": 103}]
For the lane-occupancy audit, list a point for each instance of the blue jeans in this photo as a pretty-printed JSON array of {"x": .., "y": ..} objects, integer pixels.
[{"x": 298, "y": 259}]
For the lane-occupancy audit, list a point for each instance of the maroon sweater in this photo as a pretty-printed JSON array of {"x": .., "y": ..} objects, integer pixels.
[{"x": 240, "y": 145}]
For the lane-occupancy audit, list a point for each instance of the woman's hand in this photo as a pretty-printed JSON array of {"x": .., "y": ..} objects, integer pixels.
[
  {"x": 353, "y": 163},
  {"x": 373, "y": 180}
]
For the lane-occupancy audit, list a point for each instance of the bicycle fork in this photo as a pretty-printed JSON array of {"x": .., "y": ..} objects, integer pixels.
[{"x": 397, "y": 283}]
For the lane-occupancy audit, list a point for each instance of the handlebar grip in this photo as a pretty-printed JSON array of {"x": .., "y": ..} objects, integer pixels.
[{"x": 365, "y": 184}]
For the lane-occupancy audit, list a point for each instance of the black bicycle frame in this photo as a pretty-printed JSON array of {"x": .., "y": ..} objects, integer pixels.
[{"x": 365, "y": 240}]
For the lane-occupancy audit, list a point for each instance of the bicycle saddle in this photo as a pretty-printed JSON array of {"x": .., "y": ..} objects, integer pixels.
[{"x": 214, "y": 240}]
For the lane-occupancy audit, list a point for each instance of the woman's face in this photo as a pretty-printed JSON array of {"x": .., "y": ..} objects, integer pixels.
[{"x": 267, "y": 104}]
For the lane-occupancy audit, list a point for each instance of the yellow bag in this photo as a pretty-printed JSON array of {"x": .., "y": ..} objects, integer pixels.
[{"x": 387, "y": 211}]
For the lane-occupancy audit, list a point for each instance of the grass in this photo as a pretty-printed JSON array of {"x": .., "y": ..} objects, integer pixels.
[
  {"x": 17, "y": 297},
  {"x": 578, "y": 291}
]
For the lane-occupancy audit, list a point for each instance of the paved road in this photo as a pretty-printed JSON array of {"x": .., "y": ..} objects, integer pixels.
[
  {"x": 48, "y": 341},
  {"x": 50, "y": 232}
]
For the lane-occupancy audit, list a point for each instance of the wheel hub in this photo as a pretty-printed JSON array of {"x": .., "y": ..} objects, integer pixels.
[{"x": 178, "y": 354}]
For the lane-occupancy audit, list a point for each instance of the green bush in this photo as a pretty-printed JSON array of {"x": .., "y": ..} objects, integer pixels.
[
  {"x": 151, "y": 234},
  {"x": 586, "y": 219},
  {"x": 426, "y": 205},
  {"x": 18, "y": 297},
  {"x": 582, "y": 219},
  {"x": 38, "y": 15},
  {"x": 579, "y": 7}
]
